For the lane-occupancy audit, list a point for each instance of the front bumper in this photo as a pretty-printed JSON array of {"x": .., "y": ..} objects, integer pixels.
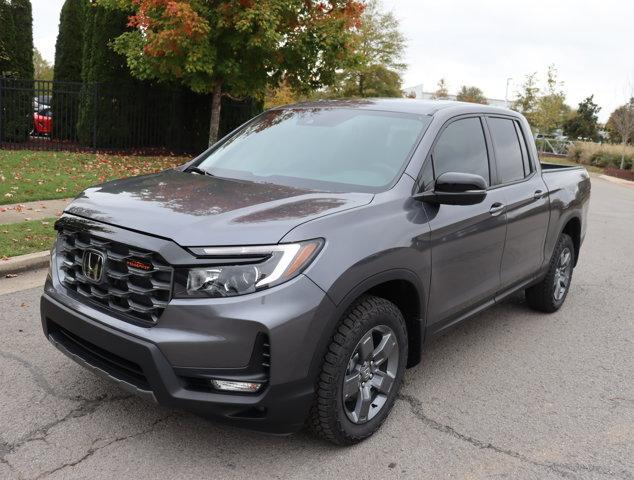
[{"x": 202, "y": 339}]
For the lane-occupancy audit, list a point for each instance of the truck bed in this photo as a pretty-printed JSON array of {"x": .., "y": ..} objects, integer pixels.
[
  {"x": 558, "y": 177},
  {"x": 549, "y": 167}
]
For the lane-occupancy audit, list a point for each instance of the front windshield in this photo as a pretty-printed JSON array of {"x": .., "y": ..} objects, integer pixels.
[{"x": 335, "y": 149}]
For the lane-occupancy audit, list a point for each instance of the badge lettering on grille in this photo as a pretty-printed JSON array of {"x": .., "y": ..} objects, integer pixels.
[
  {"x": 138, "y": 265},
  {"x": 92, "y": 265}
]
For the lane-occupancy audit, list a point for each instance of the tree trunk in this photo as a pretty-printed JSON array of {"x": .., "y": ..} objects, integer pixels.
[
  {"x": 214, "y": 122},
  {"x": 622, "y": 167},
  {"x": 361, "y": 85}
]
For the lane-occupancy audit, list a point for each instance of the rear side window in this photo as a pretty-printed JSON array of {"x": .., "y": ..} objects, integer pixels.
[
  {"x": 508, "y": 152},
  {"x": 527, "y": 163},
  {"x": 462, "y": 148}
]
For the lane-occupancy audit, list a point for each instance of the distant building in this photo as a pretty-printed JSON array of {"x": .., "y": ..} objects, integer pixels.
[{"x": 418, "y": 92}]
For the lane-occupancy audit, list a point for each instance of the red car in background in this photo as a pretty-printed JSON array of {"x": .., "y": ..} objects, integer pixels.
[{"x": 43, "y": 122}]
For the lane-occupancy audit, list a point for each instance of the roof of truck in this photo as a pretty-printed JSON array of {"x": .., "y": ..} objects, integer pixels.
[{"x": 403, "y": 105}]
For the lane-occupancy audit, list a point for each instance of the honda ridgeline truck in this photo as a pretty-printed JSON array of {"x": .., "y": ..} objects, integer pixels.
[{"x": 291, "y": 273}]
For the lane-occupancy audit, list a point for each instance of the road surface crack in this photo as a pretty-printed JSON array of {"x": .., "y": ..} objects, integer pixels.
[
  {"x": 41, "y": 433},
  {"x": 40, "y": 379},
  {"x": 562, "y": 469},
  {"x": 92, "y": 450},
  {"x": 37, "y": 375}
]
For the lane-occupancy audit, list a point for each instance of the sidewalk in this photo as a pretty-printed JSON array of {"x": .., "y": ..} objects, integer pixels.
[{"x": 19, "y": 212}]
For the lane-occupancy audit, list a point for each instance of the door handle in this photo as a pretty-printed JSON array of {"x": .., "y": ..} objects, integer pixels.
[
  {"x": 538, "y": 194},
  {"x": 496, "y": 209}
]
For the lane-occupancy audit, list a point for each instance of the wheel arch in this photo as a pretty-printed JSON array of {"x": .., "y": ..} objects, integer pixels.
[
  {"x": 572, "y": 227},
  {"x": 400, "y": 286}
]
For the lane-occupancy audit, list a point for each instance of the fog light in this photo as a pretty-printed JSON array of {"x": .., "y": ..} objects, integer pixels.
[{"x": 231, "y": 386}]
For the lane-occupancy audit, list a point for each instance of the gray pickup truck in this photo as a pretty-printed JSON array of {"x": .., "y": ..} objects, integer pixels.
[{"x": 290, "y": 274}]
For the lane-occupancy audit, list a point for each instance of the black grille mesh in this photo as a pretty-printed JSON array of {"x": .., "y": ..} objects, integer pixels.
[{"x": 141, "y": 295}]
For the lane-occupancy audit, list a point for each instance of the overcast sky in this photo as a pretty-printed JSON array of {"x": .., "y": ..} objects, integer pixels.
[{"x": 484, "y": 42}]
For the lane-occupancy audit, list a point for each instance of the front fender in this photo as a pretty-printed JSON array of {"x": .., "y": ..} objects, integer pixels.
[{"x": 416, "y": 326}]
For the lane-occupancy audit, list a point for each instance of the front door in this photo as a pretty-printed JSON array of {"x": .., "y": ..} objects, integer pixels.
[{"x": 466, "y": 241}]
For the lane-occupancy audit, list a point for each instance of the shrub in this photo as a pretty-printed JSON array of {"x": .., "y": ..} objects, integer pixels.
[{"x": 602, "y": 155}]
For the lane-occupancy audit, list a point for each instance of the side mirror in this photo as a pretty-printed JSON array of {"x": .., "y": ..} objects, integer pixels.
[{"x": 454, "y": 188}]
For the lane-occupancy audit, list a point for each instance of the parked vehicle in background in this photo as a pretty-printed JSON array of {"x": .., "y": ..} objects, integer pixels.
[
  {"x": 43, "y": 122},
  {"x": 292, "y": 272},
  {"x": 41, "y": 101}
]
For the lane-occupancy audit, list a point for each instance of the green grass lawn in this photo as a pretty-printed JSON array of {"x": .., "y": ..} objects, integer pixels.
[
  {"x": 567, "y": 161},
  {"x": 27, "y": 176},
  {"x": 26, "y": 237}
]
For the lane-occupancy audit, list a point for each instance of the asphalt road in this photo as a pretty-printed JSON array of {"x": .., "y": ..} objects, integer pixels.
[{"x": 510, "y": 394}]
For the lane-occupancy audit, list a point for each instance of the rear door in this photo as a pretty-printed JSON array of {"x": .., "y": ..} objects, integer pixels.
[
  {"x": 466, "y": 241},
  {"x": 526, "y": 198}
]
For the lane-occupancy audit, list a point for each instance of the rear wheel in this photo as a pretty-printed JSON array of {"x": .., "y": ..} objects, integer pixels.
[
  {"x": 550, "y": 294},
  {"x": 362, "y": 372}
]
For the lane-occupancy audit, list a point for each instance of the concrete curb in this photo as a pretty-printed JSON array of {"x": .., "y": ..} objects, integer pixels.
[
  {"x": 23, "y": 263},
  {"x": 620, "y": 181}
]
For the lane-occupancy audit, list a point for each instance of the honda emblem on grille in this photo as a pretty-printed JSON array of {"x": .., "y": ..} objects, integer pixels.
[{"x": 92, "y": 265}]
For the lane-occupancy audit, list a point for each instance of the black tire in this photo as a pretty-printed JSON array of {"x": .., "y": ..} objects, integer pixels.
[
  {"x": 329, "y": 415},
  {"x": 544, "y": 296}
]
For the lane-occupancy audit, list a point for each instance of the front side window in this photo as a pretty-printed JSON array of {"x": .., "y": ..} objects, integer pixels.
[
  {"x": 508, "y": 152},
  {"x": 462, "y": 148},
  {"x": 331, "y": 149}
]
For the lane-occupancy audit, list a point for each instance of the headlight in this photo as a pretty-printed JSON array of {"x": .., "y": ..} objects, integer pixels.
[{"x": 242, "y": 270}]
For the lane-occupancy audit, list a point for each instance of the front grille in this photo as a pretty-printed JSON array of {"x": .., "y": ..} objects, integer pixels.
[
  {"x": 114, "y": 365},
  {"x": 134, "y": 293}
]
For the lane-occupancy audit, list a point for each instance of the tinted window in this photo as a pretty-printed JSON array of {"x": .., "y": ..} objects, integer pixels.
[
  {"x": 322, "y": 148},
  {"x": 527, "y": 163},
  {"x": 507, "y": 149},
  {"x": 462, "y": 148},
  {"x": 427, "y": 176}
]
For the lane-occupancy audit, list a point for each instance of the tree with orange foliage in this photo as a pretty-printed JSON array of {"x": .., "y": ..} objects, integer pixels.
[{"x": 238, "y": 47}]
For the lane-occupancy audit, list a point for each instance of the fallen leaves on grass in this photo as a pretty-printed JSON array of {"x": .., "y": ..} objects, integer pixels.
[{"x": 48, "y": 175}]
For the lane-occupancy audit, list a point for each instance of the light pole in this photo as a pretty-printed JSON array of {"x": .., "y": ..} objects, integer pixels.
[{"x": 506, "y": 95}]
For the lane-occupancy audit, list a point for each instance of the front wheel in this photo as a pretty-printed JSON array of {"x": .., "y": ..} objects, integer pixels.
[
  {"x": 362, "y": 372},
  {"x": 549, "y": 295}
]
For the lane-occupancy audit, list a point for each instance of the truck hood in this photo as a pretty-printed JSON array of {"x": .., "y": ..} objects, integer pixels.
[{"x": 199, "y": 210}]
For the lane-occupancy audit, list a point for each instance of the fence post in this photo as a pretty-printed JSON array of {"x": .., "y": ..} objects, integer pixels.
[{"x": 94, "y": 118}]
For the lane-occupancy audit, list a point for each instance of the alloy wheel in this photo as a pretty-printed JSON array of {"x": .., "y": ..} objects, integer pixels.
[
  {"x": 563, "y": 272},
  {"x": 370, "y": 374}
]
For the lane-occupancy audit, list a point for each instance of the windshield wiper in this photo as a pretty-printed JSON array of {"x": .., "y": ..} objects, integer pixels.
[{"x": 199, "y": 171}]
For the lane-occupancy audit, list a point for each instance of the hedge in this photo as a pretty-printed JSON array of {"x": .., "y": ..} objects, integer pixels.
[
  {"x": 101, "y": 65},
  {"x": 16, "y": 61},
  {"x": 68, "y": 66},
  {"x": 119, "y": 111}
]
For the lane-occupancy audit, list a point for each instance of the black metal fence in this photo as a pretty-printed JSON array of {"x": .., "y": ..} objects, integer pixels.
[{"x": 51, "y": 115}]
